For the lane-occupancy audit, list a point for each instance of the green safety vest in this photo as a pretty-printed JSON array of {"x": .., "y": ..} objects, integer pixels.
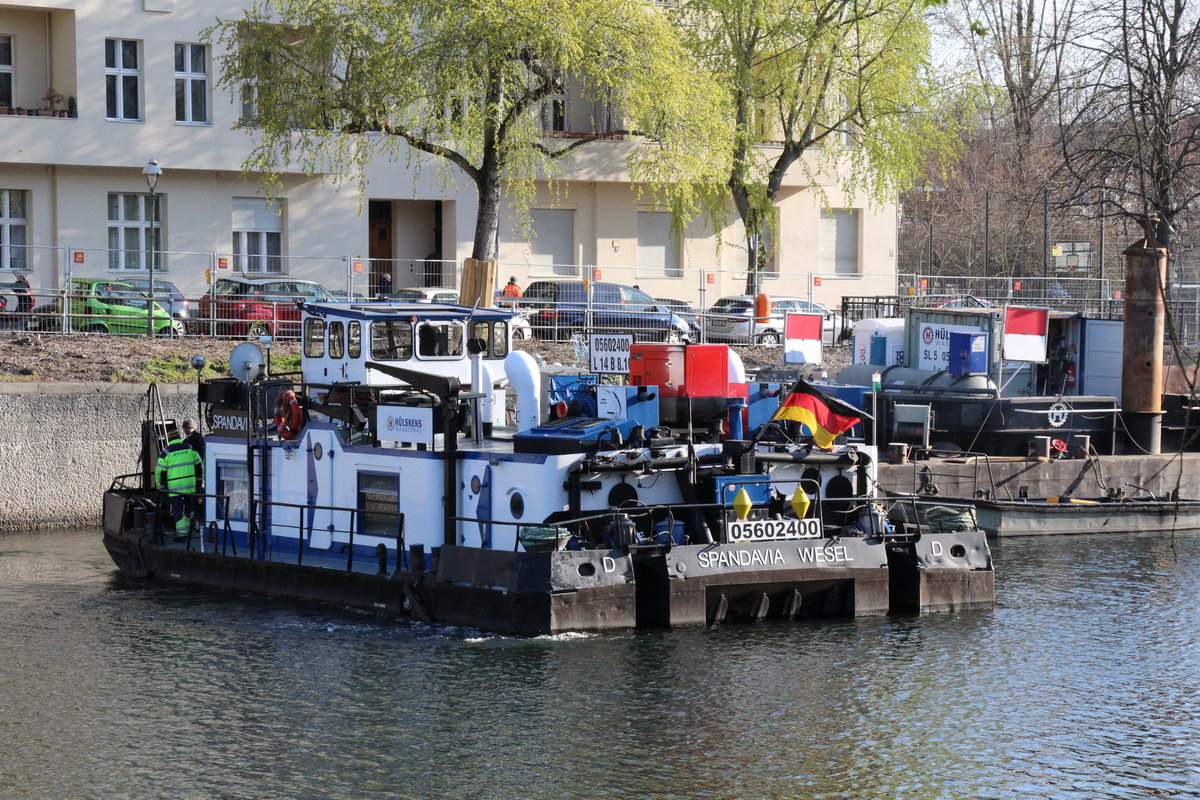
[{"x": 177, "y": 468}]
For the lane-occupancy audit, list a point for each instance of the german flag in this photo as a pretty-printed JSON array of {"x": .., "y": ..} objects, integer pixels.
[{"x": 825, "y": 416}]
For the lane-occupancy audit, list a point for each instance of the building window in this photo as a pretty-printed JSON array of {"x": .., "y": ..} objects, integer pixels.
[
  {"x": 658, "y": 249},
  {"x": 134, "y": 230},
  {"x": 257, "y": 235},
  {"x": 769, "y": 251},
  {"x": 191, "y": 83},
  {"x": 839, "y": 241},
  {"x": 12, "y": 229},
  {"x": 554, "y": 113},
  {"x": 553, "y": 242},
  {"x": 123, "y": 79},
  {"x": 6, "y": 71}
]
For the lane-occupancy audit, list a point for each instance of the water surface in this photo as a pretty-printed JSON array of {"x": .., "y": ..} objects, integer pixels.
[{"x": 1082, "y": 683}]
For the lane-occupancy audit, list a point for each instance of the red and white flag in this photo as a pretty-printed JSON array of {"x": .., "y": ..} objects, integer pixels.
[
  {"x": 1025, "y": 334},
  {"x": 802, "y": 339}
]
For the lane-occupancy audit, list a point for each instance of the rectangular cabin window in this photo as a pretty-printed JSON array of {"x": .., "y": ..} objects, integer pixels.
[
  {"x": 391, "y": 340},
  {"x": 379, "y": 499},
  {"x": 314, "y": 337},
  {"x": 495, "y": 338},
  {"x": 233, "y": 485},
  {"x": 337, "y": 340},
  {"x": 354, "y": 340},
  {"x": 440, "y": 339}
]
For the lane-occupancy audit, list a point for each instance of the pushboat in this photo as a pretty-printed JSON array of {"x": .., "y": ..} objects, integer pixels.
[{"x": 419, "y": 467}]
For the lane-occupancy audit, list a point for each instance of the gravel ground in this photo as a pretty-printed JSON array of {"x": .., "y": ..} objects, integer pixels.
[{"x": 45, "y": 357}]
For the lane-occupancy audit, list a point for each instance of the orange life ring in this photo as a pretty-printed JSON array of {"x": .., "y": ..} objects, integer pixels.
[{"x": 289, "y": 417}]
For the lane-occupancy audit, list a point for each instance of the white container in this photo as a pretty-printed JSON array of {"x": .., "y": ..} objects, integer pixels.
[{"x": 890, "y": 328}]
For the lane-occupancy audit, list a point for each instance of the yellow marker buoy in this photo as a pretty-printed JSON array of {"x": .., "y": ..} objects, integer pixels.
[
  {"x": 742, "y": 504},
  {"x": 800, "y": 502}
]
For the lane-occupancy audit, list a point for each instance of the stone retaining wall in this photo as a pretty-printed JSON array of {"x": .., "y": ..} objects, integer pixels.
[{"x": 61, "y": 444}]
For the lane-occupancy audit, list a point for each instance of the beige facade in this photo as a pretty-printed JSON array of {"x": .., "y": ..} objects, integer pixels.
[{"x": 72, "y": 169}]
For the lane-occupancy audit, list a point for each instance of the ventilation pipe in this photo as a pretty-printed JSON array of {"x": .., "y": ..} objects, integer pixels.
[{"x": 525, "y": 380}]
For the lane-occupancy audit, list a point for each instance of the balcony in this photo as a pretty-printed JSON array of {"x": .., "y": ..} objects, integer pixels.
[{"x": 37, "y": 62}]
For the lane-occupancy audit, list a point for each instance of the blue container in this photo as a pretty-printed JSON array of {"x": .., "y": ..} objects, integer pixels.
[
  {"x": 678, "y": 534},
  {"x": 968, "y": 353}
]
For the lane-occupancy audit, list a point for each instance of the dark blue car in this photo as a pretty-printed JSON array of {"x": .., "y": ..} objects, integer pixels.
[{"x": 558, "y": 309}]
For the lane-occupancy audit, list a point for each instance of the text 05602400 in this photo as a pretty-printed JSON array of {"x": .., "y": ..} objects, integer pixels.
[{"x": 766, "y": 530}]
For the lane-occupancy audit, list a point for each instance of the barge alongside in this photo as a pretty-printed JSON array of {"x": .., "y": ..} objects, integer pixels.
[{"x": 391, "y": 476}]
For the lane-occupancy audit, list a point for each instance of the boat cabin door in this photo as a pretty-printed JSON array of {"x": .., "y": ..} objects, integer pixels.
[{"x": 320, "y": 521}]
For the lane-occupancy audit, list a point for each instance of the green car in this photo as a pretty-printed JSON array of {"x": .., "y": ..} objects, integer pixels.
[{"x": 100, "y": 305}]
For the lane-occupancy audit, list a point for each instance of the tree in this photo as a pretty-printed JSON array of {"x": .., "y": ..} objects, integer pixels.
[
  {"x": 336, "y": 83},
  {"x": 1133, "y": 138},
  {"x": 832, "y": 85}
]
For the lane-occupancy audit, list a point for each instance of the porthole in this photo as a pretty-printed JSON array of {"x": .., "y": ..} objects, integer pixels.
[{"x": 516, "y": 505}]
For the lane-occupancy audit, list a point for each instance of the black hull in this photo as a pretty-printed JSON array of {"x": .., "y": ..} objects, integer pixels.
[{"x": 546, "y": 593}]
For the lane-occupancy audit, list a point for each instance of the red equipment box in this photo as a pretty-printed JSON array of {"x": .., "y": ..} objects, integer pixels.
[{"x": 681, "y": 370}]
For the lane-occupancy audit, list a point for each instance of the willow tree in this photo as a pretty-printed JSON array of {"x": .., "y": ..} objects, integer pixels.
[
  {"x": 825, "y": 86},
  {"x": 330, "y": 85}
]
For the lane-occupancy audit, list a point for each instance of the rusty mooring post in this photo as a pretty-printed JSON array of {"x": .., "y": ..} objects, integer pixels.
[{"x": 1145, "y": 312}]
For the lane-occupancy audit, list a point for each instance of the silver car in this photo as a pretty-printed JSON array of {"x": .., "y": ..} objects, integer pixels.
[{"x": 731, "y": 320}]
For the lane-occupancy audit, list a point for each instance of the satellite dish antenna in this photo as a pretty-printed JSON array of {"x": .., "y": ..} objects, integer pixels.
[{"x": 246, "y": 362}]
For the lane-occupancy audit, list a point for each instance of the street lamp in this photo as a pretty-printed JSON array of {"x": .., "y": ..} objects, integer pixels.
[{"x": 152, "y": 171}]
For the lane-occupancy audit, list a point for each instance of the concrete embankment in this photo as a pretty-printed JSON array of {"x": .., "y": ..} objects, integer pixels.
[{"x": 61, "y": 444}]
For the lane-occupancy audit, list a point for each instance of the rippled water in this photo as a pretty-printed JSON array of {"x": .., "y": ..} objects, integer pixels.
[{"x": 1082, "y": 683}]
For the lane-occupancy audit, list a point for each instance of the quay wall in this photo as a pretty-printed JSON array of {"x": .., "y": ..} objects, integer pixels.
[
  {"x": 1004, "y": 478},
  {"x": 61, "y": 444}
]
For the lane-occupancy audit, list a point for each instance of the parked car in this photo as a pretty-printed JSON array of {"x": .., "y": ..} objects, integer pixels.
[
  {"x": 966, "y": 301},
  {"x": 558, "y": 308},
  {"x": 166, "y": 294},
  {"x": 731, "y": 320},
  {"x": 253, "y": 307},
  {"x": 691, "y": 315},
  {"x": 100, "y": 305},
  {"x": 424, "y": 294}
]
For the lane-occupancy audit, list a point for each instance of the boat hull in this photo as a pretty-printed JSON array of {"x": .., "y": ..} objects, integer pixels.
[{"x": 1040, "y": 518}]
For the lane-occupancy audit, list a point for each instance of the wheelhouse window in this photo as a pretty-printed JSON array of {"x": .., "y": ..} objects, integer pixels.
[
  {"x": 233, "y": 485},
  {"x": 440, "y": 339},
  {"x": 191, "y": 83},
  {"x": 314, "y": 337},
  {"x": 379, "y": 499},
  {"x": 123, "y": 80},
  {"x": 495, "y": 337},
  {"x": 6, "y": 71},
  {"x": 257, "y": 235},
  {"x": 337, "y": 339},
  {"x": 354, "y": 339},
  {"x": 134, "y": 231},
  {"x": 391, "y": 340},
  {"x": 12, "y": 229}
]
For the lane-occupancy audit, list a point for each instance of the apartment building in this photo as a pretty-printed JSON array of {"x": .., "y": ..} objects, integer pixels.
[{"x": 91, "y": 91}]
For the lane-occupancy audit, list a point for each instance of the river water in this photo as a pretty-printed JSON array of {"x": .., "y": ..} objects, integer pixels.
[{"x": 1081, "y": 683}]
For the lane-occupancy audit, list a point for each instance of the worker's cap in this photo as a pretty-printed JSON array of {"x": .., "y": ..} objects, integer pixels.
[
  {"x": 512, "y": 279},
  {"x": 188, "y": 425}
]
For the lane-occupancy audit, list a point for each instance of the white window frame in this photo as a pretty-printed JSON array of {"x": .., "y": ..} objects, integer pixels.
[
  {"x": 258, "y": 244},
  {"x": 130, "y": 235},
  {"x": 14, "y": 256},
  {"x": 668, "y": 270},
  {"x": 188, "y": 82},
  {"x": 119, "y": 72},
  {"x": 834, "y": 261},
  {"x": 6, "y": 70}
]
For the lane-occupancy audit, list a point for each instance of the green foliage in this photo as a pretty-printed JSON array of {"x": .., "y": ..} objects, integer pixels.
[
  {"x": 839, "y": 89},
  {"x": 338, "y": 83}
]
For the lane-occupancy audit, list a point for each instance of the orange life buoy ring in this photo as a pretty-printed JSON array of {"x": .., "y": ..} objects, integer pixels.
[{"x": 289, "y": 417}]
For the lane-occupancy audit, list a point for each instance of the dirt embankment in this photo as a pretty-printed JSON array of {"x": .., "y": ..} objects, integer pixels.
[{"x": 91, "y": 358}]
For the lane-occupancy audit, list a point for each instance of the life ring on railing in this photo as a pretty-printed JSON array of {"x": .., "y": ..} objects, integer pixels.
[{"x": 289, "y": 417}]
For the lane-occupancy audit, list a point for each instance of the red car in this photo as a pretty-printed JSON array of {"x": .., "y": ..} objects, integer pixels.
[{"x": 252, "y": 307}]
